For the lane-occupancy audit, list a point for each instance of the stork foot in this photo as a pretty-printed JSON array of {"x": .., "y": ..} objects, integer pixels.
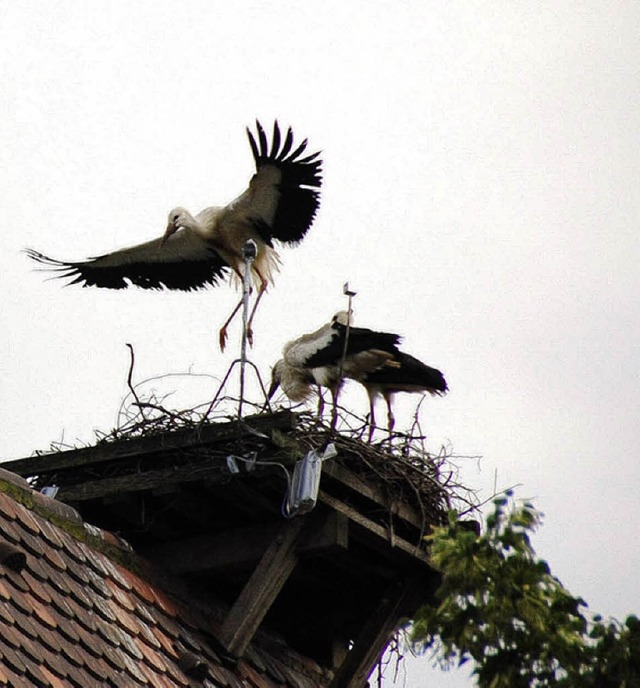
[{"x": 223, "y": 338}]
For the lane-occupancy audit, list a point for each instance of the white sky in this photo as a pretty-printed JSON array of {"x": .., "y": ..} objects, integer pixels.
[{"x": 481, "y": 194}]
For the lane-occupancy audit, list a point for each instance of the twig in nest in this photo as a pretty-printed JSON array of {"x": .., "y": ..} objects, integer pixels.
[{"x": 131, "y": 387}]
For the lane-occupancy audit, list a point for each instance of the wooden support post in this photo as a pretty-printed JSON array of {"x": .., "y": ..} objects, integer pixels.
[
  {"x": 261, "y": 590},
  {"x": 375, "y": 634}
]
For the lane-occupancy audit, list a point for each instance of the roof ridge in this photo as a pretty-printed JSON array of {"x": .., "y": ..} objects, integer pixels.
[{"x": 67, "y": 518}]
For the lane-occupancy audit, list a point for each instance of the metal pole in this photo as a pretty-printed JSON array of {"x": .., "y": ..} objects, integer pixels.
[
  {"x": 249, "y": 252},
  {"x": 350, "y": 294}
]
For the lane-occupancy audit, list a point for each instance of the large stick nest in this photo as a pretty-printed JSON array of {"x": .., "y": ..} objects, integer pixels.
[{"x": 400, "y": 465}]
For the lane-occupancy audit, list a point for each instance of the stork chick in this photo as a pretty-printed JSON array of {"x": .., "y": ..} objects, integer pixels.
[{"x": 279, "y": 204}]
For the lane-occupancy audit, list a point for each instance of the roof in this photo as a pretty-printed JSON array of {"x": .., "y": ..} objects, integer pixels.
[
  {"x": 86, "y": 611},
  {"x": 205, "y": 580}
]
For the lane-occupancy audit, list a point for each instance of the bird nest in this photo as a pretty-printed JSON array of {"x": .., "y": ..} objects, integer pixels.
[{"x": 399, "y": 466}]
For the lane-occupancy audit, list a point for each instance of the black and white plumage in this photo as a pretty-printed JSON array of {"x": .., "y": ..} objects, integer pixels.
[
  {"x": 371, "y": 358},
  {"x": 279, "y": 204},
  {"x": 405, "y": 374}
]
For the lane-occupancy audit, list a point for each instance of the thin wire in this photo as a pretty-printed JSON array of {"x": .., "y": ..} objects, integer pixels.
[{"x": 283, "y": 507}]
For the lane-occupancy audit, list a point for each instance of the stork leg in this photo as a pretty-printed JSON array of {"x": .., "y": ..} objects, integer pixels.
[
  {"x": 263, "y": 288},
  {"x": 372, "y": 417},
  {"x": 320, "y": 402},
  {"x": 222, "y": 336},
  {"x": 391, "y": 421},
  {"x": 334, "y": 412},
  {"x": 223, "y": 330}
]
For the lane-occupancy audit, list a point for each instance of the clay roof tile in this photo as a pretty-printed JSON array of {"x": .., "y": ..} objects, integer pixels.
[
  {"x": 44, "y": 615},
  {"x": 8, "y": 507},
  {"x": 36, "y": 588},
  {"x": 28, "y": 521},
  {"x": 12, "y": 659},
  {"x": 75, "y": 551},
  {"x": 15, "y": 580},
  {"x": 120, "y": 596},
  {"x": 122, "y": 576},
  {"x": 132, "y": 669},
  {"x": 55, "y": 558},
  {"x": 11, "y": 530},
  {"x": 256, "y": 679},
  {"x": 50, "y": 534},
  {"x": 152, "y": 657},
  {"x": 52, "y": 680},
  {"x": 103, "y": 609}
]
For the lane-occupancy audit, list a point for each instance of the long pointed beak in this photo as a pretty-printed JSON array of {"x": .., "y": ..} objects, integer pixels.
[{"x": 272, "y": 389}]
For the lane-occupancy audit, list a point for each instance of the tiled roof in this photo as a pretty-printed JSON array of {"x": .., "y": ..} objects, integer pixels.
[{"x": 79, "y": 608}]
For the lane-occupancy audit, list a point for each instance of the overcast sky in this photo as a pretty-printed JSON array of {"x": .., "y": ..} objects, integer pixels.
[{"x": 482, "y": 192}]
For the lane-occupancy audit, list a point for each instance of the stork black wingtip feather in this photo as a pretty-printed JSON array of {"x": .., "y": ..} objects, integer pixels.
[
  {"x": 254, "y": 146},
  {"x": 288, "y": 143},
  {"x": 275, "y": 141},
  {"x": 262, "y": 137}
]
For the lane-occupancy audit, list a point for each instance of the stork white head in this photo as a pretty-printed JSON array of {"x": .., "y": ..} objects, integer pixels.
[
  {"x": 343, "y": 318},
  {"x": 178, "y": 217}
]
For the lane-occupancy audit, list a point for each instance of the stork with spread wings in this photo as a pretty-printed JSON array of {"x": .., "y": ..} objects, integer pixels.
[{"x": 279, "y": 204}]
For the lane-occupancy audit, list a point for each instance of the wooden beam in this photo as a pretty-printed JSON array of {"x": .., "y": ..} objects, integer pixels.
[
  {"x": 255, "y": 600},
  {"x": 212, "y": 470},
  {"x": 152, "y": 444},
  {"x": 351, "y": 480},
  {"x": 244, "y": 546},
  {"x": 402, "y": 597},
  {"x": 374, "y": 528}
]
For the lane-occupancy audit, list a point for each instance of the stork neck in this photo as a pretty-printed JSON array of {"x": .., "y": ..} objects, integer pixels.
[{"x": 188, "y": 221}]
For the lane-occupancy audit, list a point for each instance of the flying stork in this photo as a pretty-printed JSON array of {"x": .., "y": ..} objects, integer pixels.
[
  {"x": 326, "y": 357},
  {"x": 279, "y": 204}
]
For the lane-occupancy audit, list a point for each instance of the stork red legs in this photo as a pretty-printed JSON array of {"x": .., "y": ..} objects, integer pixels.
[
  {"x": 223, "y": 330},
  {"x": 326, "y": 357},
  {"x": 279, "y": 204}
]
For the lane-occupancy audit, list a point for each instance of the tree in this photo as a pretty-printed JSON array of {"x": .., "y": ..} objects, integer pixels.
[{"x": 499, "y": 605}]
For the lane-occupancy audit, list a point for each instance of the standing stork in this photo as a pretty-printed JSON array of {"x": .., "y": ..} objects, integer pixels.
[
  {"x": 404, "y": 374},
  {"x": 334, "y": 352},
  {"x": 315, "y": 359},
  {"x": 279, "y": 204}
]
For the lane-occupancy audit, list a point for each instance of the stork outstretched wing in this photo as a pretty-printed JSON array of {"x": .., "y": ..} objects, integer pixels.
[
  {"x": 284, "y": 193},
  {"x": 185, "y": 262}
]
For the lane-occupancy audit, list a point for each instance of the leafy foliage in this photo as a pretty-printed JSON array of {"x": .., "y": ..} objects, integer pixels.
[{"x": 501, "y": 607}]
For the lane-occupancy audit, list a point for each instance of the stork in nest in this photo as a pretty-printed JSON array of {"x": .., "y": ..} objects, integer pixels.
[
  {"x": 336, "y": 351},
  {"x": 279, "y": 204}
]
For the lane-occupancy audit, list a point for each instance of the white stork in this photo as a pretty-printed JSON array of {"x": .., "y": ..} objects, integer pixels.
[
  {"x": 280, "y": 204},
  {"x": 372, "y": 359}
]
